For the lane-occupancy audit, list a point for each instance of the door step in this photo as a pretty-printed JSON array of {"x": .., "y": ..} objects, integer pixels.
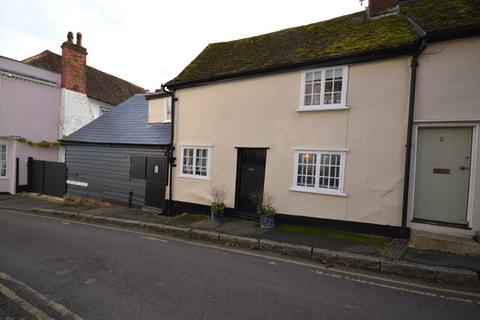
[
  {"x": 447, "y": 243},
  {"x": 395, "y": 249}
]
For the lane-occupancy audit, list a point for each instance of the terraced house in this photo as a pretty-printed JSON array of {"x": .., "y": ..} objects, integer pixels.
[
  {"x": 359, "y": 121},
  {"x": 46, "y": 97}
]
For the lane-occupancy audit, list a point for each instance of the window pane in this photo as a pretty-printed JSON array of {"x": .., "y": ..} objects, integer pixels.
[
  {"x": 328, "y": 86},
  {"x": 308, "y": 100},
  {"x": 309, "y": 76},
  {"x": 317, "y": 75},
  {"x": 317, "y": 87},
  {"x": 316, "y": 99},
  {"x": 338, "y": 85},
  {"x": 327, "y": 99},
  {"x": 337, "y": 97},
  {"x": 338, "y": 73},
  {"x": 329, "y": 74},
  {"x": 308, "y": 88}
]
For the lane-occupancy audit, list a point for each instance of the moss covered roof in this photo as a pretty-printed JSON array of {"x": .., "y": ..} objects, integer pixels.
[
  {"x": 342, "y": 36},
  {"x": 435, "y": 16}
]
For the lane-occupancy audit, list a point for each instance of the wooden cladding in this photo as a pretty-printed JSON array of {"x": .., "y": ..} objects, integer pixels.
[{"x": 138, "y": 167}]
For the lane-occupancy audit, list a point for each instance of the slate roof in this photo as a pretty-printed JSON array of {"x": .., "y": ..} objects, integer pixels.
[
  {"x": 125, "y": 124},
  {"x": 100, "y": 85},
  {"x": 345, "y": 36}
]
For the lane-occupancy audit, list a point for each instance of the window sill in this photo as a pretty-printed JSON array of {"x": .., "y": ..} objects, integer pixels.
[
  {"x": 4, "y": 178},
  {"x": 167, "y": 121},
  {"x": 317, "y": 191},
  {"x": 323, "y": 108},
  {"x": 187, "y": 176}
]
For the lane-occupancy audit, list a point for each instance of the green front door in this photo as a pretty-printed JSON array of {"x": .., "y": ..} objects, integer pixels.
[{"x": 442, "y": 174}]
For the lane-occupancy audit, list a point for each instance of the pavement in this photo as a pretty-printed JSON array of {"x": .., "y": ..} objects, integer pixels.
[
  {"x": 328, "y": 247},
  {"x": 54, "y": 268}
]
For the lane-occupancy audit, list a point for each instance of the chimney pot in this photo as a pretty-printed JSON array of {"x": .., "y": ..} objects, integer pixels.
[
  {"x": 70, "y": 36},
  {"x": 79, "y": 39}
]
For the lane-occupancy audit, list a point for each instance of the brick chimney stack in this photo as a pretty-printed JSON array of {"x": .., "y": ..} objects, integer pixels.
[
  {"x": 380, "y": 7},
  {"x": 74, "y": 64}
]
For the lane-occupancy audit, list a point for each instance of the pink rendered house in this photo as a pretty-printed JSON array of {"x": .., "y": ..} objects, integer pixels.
[
  {"x": 29, "y": 109},
  {"x": 46, "y": 97}
]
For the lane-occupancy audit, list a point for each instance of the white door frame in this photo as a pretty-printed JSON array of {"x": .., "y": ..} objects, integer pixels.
[{"x": 473, "y": 161}]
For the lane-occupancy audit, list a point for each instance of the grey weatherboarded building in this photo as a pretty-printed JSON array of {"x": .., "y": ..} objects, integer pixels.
[{"x": 120, "y": 157}]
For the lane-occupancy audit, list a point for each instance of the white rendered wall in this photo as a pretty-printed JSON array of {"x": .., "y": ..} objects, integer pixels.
[{"x": 76, "y": 110}]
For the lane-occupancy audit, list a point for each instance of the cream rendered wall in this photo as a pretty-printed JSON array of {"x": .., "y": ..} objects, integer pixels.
[
  {"x": 261, "y": 112},
  {"x": 156, "y": 110},
  {"x": 448, "y": 94}
]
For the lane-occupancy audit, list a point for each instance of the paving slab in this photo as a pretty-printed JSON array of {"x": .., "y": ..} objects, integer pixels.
[
  {"x": 206, "y": 224},
  {"x": 6, "y": 197},
  {"x": 242, "y": 228},
  {"x": 127, "y": 213},
  {"x": 322, "y": 242}
]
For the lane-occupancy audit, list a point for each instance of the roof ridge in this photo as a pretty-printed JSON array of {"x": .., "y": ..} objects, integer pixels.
[
  {"x": 289, "y": 28},
  {"x": 35, "y": 57}
]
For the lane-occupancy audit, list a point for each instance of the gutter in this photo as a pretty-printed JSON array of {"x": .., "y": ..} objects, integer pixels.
[{"x": 422, "y": 44}]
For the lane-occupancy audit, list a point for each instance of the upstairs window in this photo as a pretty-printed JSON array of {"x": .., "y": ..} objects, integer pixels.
[
  {"x": 3, "y": 160},
  {"x": 319, "y": 172},
  {"x": 168, "y": 110},
  {"x": 195, "y": 162},
  {"x": 324, "y": 89}
]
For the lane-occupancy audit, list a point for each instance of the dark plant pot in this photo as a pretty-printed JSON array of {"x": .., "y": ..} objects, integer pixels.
[
  {"x": 267, "y": 222},
  {"x": 217, "y": 216}
]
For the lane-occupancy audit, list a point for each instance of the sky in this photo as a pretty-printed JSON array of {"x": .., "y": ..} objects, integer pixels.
[{"x": 149, "y": 42}]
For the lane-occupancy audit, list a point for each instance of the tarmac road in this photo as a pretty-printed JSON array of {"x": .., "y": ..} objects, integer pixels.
[{"x": 52, "y": 268}]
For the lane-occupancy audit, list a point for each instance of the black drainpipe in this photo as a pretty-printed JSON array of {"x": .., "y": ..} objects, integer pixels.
[
  {"x": 408, "y": 145},
  {"x": 171, "y": 156}
]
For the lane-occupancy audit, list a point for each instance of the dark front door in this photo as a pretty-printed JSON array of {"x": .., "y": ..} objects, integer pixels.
[
  {"x": 156, "y": 182},
  {"x": 250, "y": 179}
]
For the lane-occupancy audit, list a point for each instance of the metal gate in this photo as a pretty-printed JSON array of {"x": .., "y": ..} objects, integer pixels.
[{"x": 47, "y": 177}]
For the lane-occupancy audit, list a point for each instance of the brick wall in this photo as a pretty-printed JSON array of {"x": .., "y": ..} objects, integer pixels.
[
  {"x": 377, "y": 7},
  {"x": 74, "y": 65}
]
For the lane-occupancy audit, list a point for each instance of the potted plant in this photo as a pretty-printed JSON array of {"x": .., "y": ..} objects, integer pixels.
[
  {"x": 217, "y": 206},
  {"x": 266, "y": 211}
]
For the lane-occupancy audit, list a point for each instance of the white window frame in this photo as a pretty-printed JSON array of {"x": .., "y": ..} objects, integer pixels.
[
  {"x": 103, "y": 111},
  {"x": 6, "y": 162},
  {"x": 317, "y": 188},
  {"x": 194, "y": 175},
  {"x": 334, "y": 106},
  {"x": 168, "y": 105}
]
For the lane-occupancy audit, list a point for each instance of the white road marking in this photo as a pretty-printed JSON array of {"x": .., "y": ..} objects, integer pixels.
[
  {"x": 13, "y": 296},
  {"x": 54, "y": 305},
  {"x": 154, "y": 239},
  {"x": 331, "y": 272},
  {"x": 65, "y": 222}
]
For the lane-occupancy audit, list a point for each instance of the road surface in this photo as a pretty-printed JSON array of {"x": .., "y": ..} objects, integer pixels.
[{"x": 52, "y": 268}]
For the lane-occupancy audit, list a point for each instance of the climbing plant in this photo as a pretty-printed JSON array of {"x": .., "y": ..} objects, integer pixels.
[{"x": 42, "y": 144}]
